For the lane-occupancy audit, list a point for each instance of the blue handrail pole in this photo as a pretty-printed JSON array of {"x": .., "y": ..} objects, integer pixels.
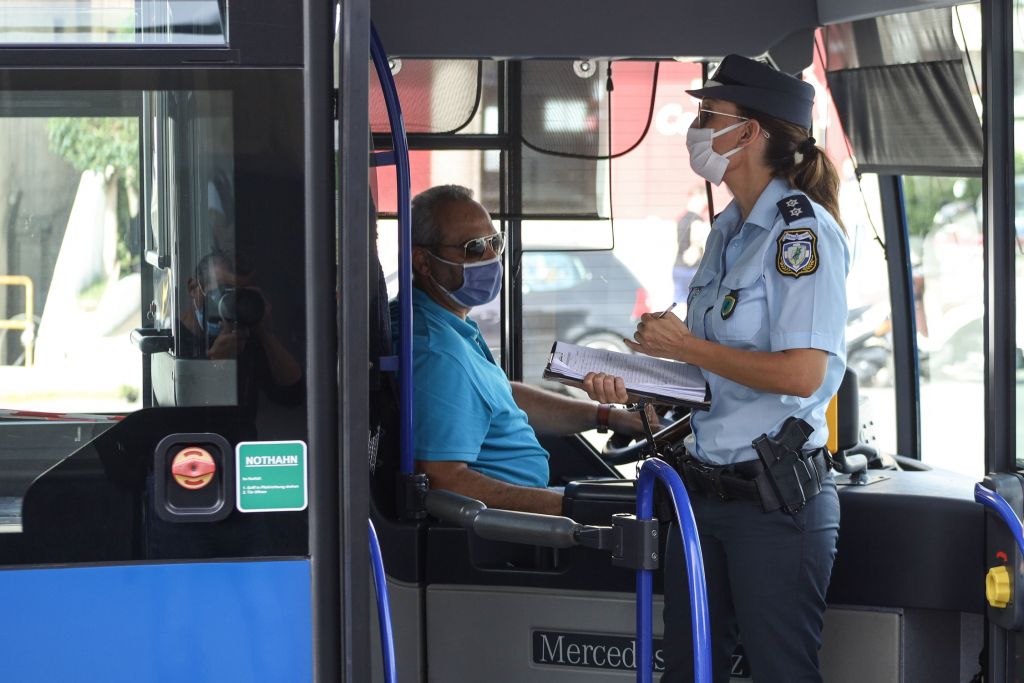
[
  {"x": 996, "y": 502},
  {"x": 401, "y": 150},
  {"x": 387, "y": 637},
  {"x": 657, "y": 470}
]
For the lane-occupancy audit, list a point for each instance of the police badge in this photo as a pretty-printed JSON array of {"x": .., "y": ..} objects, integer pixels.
[
  {"x": 798, "y": 252},
  {"x": 729, "y": 303}
]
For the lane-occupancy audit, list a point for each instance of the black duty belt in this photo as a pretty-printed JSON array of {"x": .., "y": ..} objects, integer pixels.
[{"x": 749, "y": 480}]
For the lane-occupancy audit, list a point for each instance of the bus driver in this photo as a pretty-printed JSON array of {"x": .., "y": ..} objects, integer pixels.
[{"x": 475, "y": 431}]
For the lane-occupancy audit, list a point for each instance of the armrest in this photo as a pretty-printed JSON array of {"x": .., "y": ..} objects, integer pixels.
[{"x": 595, "y": 501}]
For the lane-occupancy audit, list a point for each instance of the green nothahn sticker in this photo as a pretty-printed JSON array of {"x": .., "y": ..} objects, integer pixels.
[{"x": 271, "y": 476}]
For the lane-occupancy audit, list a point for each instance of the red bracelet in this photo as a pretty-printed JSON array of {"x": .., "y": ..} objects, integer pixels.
[{"x": 604, "y": 410}]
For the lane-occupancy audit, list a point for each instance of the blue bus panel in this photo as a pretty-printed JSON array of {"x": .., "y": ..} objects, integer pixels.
[{"x": 215, "y": 621}]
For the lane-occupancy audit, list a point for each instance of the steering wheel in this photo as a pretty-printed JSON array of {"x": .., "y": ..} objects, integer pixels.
[{"x": 674, "y": 432}]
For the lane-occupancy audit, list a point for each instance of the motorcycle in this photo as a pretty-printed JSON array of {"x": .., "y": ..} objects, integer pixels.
[{"x": 869, "y": 344}]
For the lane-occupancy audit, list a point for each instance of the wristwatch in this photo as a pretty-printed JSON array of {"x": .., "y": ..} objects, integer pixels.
[{"x": 604, "y": 410}]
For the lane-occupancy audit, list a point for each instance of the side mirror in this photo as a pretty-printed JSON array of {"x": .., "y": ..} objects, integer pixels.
[{"x": 1020, "y": 358}]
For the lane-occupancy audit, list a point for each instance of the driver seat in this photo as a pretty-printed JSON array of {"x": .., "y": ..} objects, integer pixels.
[{"x": 844, "y": 425}]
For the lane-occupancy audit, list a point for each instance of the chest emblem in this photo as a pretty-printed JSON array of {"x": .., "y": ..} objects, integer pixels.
[
  {"x": 729, "y": 303},
  {"x": 797, "y": 253}
]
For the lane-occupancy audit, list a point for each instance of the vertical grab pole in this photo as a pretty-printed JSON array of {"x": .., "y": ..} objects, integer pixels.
[
  {"x": 655, "y": 469},
  {"x": 401, "y": 160},
  {"x": 387, "y": 637}
]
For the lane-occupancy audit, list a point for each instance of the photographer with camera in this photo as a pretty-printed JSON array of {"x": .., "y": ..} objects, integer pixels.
[{"x": 229, "y": 318}]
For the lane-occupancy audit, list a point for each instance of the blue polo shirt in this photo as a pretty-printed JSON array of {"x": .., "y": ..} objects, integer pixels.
[
  {"x": 464, "y": 409},
  {"x": 774, "y": 282}
]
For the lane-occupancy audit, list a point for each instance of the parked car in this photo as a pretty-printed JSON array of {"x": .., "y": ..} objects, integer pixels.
[{"x": 588, "y": 298}]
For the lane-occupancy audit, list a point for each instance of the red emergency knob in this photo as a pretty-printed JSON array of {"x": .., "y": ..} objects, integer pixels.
[{"x": 193, "y": 467}]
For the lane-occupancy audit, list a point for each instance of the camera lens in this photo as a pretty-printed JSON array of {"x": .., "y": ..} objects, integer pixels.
[
  {"x": 248, "y": 307},
  {"x": 243, "y": 306}
]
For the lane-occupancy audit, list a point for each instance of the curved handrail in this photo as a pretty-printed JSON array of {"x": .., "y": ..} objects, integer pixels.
[
  {"x": 400, "y": 146},
  {"x": 657, "y": 470},
  {"x": 996, "y": 502},
  {"x": 387, "y": 637}
]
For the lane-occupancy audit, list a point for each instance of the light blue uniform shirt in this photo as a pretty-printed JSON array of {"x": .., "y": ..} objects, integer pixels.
[
  {"x": 464, "y": 409},
  {"x": 788, "y": 282}
]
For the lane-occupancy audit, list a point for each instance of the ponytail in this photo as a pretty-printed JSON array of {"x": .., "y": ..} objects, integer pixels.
[{"x": 792, "y": 154}]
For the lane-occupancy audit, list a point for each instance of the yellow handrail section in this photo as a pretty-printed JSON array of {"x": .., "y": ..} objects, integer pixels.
[{"x": 29, "y": 323}]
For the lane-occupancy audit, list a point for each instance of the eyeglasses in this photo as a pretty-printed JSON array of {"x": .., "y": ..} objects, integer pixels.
[
  {"x": 704, "y": 115},
  {"x": 474, "y": 249}
]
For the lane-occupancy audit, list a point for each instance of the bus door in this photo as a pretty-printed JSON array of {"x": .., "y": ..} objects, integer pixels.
[
  {"x": 531, "y": 613},
  {"x": 537, "y": 141},
  {"x": 154, "y": 460}
]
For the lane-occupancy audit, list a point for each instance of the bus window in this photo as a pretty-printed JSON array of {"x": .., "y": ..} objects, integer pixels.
[
  {"x": 120, "y": 223},
  {"x": 661, "y": 221},
  {"x": 70, "y": 260},
  {"x": 70, "y": 279},
  {"x": 117, "y": 22},
  {"x": 944, "y": 221}
]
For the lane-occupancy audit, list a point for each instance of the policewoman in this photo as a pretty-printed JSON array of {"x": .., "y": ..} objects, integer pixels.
[{"x": 765, "y": 322}]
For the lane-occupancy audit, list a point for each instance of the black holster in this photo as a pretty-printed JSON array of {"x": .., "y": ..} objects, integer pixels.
[{"x": 789, "y": 474}]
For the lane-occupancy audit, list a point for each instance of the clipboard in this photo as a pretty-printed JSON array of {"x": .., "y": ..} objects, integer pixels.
[{"x": 626, "y": 365}]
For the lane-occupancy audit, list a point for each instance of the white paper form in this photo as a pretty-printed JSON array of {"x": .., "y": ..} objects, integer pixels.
[{"x": 639, "y": 373}]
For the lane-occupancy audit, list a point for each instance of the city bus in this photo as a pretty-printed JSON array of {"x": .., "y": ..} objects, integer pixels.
[{"x": 199, "y": 400}]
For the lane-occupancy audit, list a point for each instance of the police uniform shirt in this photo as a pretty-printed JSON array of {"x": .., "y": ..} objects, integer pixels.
[{"x": 774, "y": 282}]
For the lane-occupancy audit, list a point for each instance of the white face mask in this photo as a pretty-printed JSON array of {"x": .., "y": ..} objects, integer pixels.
[{"x": 704, "y": 160}]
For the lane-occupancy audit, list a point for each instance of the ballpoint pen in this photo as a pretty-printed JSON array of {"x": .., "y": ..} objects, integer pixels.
[{"x": 667, "y": 310}]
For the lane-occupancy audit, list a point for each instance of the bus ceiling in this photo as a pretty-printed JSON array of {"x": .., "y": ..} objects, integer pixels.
[{"x": 483, "y": 29}]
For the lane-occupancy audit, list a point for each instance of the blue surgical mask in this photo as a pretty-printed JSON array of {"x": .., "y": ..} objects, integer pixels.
[
  {"x": 481, "y": 282},
  {"x": 212, "y": 329}
]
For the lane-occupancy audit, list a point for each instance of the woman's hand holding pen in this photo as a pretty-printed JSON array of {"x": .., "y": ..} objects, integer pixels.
[
  {"x": 657, "y": 334},
  {"x": 664, "y": 336}
]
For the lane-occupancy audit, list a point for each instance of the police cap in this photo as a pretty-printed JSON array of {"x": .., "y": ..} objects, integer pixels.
[{"x": 759, "y": 87}]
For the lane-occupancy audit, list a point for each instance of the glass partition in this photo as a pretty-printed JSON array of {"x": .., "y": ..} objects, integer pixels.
[
  {"x": 148, "y": 250},
  {"x": 70, "y": 261},
  {"x": 113, "y": 22}
]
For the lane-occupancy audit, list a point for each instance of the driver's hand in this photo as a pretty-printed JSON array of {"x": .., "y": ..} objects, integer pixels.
[
  {"x": 629, "y": 422},
  {"x": 605, "y": 388}
]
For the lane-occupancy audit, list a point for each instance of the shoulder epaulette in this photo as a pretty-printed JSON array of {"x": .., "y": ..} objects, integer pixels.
[{"x": 795, "y": 207}]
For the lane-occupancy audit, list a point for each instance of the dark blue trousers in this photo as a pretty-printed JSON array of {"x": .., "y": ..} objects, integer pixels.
[{"x": 767, "y": 574}]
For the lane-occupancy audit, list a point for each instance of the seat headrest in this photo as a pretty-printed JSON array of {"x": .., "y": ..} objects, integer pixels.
[{"x": 848, "y": 414}]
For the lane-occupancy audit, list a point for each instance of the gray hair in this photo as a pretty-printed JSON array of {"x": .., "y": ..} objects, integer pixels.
[{"x": 425, "y": 230}]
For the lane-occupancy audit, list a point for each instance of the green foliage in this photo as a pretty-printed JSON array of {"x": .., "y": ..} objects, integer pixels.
[
  {"x": 925, "y": 195},
  {"x": 109, "y": 146},
  {"x": 96, "y": 144}
]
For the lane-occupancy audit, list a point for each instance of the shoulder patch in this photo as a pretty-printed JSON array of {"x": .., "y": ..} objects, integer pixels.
[
  {"x": 798, "y": 252},
  {"x": 795, "y": 207}
]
